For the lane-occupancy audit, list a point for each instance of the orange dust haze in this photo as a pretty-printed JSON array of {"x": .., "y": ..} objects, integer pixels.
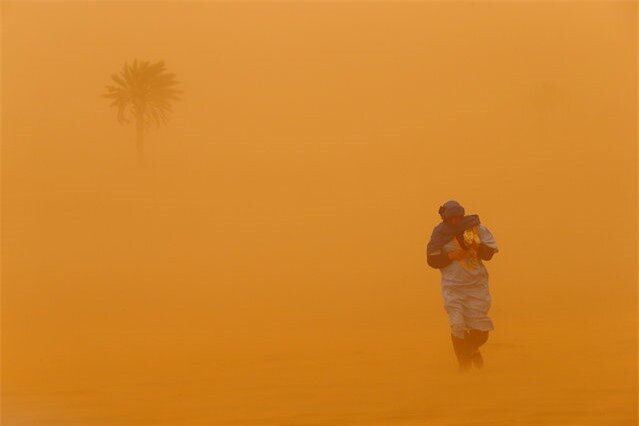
[{"x": 263, "y": 262}]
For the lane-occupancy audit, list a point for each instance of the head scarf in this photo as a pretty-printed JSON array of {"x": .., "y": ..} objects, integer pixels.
[
  {"x": 451, "y": 208},
  {"x": 444, "y": 231}
]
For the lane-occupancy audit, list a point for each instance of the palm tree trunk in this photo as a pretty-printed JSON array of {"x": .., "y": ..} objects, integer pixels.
[{"x": 140, "y": 137}]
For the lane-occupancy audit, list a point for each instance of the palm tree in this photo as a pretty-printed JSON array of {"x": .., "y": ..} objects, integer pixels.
[{"x": 147, "y": 89}]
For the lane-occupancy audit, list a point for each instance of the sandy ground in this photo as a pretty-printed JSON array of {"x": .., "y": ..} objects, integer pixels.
[{"x": 365, "y": 375}]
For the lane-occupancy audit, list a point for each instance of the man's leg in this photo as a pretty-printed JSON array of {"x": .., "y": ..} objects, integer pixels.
[
  {"x": 476, "y": 338},
  {"x": 477, "y": 304},
  {"x": 462, "y": 350},
  {"x": 453, "y": 303}
]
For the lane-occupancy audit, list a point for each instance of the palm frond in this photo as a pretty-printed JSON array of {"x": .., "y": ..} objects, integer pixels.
[{"x": 145, "y": 88}]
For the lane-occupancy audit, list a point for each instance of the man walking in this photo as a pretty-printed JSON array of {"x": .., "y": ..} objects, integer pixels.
[{"x": 457, "y": 247}]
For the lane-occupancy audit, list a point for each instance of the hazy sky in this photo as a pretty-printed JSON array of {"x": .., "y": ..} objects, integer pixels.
[{"x": 280, "y": 222}]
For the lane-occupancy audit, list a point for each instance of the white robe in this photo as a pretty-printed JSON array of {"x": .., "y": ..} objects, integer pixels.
[{"x": 465, "y": 289}]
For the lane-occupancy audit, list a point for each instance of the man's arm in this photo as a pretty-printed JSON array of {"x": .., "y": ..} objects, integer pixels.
[
  {"x": 485, "y": 252},
  {"x": 488, "y": 246},
  {"x": 438, "y": 259}
]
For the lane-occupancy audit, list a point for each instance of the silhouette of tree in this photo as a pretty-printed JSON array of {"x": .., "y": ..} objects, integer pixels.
[{"x": 147, "y": 90}]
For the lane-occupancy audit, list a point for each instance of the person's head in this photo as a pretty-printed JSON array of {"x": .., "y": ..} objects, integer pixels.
[
  {"x": 451, "y": 212},
  {"x": 454, "y": 220}
]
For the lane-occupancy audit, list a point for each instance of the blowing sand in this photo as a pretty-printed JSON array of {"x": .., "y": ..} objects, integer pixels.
[{"x": 267, "y": 266}]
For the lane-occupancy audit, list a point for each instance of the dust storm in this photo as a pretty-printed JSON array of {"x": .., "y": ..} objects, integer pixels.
[{"x": 265, "y": 263}]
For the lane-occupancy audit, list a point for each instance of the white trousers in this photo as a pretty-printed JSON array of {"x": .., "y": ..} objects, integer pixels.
[{"x": 467, "y": 306}]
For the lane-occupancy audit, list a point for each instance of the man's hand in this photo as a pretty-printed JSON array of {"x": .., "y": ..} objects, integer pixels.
[
  {"x": 457, "y": 254},
  {"x": 475, "y": 245}
]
